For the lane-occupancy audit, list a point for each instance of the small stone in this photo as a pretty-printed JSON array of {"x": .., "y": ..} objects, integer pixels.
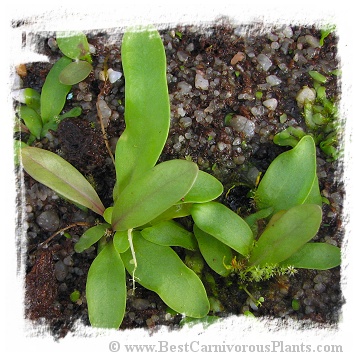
[
  {"x": 141, "y": 304},
  {"x": 201, "y": 82},
  {"x": 113, "y": 76},
  {"x": 60, "y": 270},
  {"x": 270, "y": 104},
  {"x": 273, "y": 80},
  {"x": 306, "y": 94},
  {"x": 242, "y": 125},
  {"x": 48, "y": 220},
  {"x": 264, "y": 61},
  {"x": 239, "y": 56},
  {"x": 182, "y": 56}
]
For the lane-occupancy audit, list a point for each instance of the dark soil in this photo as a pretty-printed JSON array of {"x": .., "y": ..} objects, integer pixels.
[{"x": 54, "y": 270}]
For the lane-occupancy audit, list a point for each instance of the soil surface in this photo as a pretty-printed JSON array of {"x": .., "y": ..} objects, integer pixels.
[{"x": 212, "y": 72}]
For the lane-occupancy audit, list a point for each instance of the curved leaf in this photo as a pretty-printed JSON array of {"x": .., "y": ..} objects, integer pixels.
[
  {"x": 90, "y": 237},
  {"x": 74, "y": 45},
  {"x": 161, "y": 270},
  {"x": 147, "y": 106},
  {"x": 56, "y": 173},
  {"x": 170, "y": 233},
  {"x": 206, "y": 188},
  {"x": 222, "y": 223},
  {"x": 153, "y": 193},
  {"x": 120, "y": 241},
  {"x": 215, "y": 253},
  {"x": 106, "y": 289},
  {"x": 54, "y": 93},
  {"x": 75, "y": 72},
  {"x": 32, "y": 120},
  {"x": 290, "y": 179},
  {"x": 176, "y": 211},
  {"x": 287, "y": 234},
  {"x": 320, "y": 256}
]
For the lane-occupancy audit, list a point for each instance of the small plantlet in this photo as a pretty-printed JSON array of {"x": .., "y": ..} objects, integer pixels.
[
  {"x": 320, "y": 114},
  {"x": 41, "y": 112}
]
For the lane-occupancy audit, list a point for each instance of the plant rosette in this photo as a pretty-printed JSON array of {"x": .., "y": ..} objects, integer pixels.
[{"x": 137, "y": 234}]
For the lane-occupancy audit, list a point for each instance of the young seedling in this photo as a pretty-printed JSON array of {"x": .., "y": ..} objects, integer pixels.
[
  {"x": 321, "y": 118},
  {"x": 40, "y": 112}
]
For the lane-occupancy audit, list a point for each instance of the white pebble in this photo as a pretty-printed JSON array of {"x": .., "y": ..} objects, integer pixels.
[
  {"x": 270, "y": 104},
  {"x": 221, "y": 145},
  {"x": 181, "y": 112},
  {"x": 305, "y": 94},
  {"x": 92, "y": 49},
  {"x": 288, "y": 32},
  {"x": 184, "y": 87},
  {"x": 201, "y": 82},
  {"x": 186, "y": 121},
  {"x": 264, "y": 61},
  {"x": 113, "y": 76},
  {"x": 312, "y": 41},
  {"x": 242, "y": 125},
  {"x": 275, "y": 45},
  {"x": 273, "y": 80}
]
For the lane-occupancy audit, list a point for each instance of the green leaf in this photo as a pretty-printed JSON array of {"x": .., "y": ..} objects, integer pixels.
[
  {"x": 206, "y": 188},
  {"x": 32, "y": 120},
  {"x": 153, "y": 193},
  {"x": 285, "y": 235},
  {"x": 90, "y": 237},
  {"x": 215, "y": 253},
  {"x": 75, "y": 72},
  {"x": 170, "y": 233},
  {"x": 320, "y": 256},
  {"x": 31, "y": 98},
  {"x": 120, "y": 241},
  {"x": 289, "y": 180},
  {"x": 161, "y": 270},
  {"x": 54, "y": 93},
  {"x": 176, "y": 211},
  {"x": 147, "y": 106},
  {"x": 222, "y": 223},
  {"x": 74, "y": 45},
  {"x": 56, "y": 173},
  {"x": 72, "y": 113},
  {"x": 106, "y": 289}
]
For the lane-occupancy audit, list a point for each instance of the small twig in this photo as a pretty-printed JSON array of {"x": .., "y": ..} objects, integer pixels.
[
  {"x": 63, "y": 230},
  {"x": 104, "y": 134}
]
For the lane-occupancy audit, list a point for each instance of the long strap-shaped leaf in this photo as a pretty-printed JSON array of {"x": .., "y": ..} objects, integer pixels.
[
  {"x": 286, "y": 235},
  {"x": 54, "y": 93},
  {"x": 153, "y": 193},
  {"x": 161, "y": 270},
  {"x": 147, "y": 107},
  {"x": 106, "y": 289},
  {"x": 53, "y": 171},
  {"x": 222, "y": 223}
]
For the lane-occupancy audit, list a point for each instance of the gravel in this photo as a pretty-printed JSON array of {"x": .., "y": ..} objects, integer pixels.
[{"x": 259, "y": 80}]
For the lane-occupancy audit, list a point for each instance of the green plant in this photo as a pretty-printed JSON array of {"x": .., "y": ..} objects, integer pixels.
[
  {"x": 146, "y": 196},
  {"x": 289, "y": 202},
  {"x": 138, "y": 231},
  {"x": 41, "y": 112},
  {"x": 321, "y": 119}
]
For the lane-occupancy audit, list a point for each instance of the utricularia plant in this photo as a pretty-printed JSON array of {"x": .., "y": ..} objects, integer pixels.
[{"x": 139, "y": 231}]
